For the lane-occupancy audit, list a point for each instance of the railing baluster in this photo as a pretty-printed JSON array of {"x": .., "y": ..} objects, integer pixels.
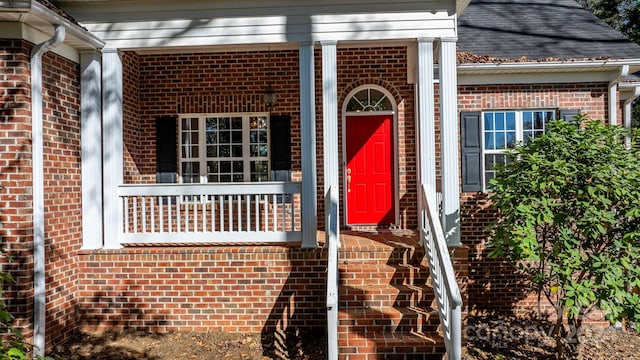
[
  {"x": 221, "y": 199},
  {"x": 247, "y": 199},
  {"x": 213, "y": 212},
  {"x": 266, "y": 212},
  {"x": 274, "y": 203},
  {"x": 178, "y": 213},
  {"x": 169, "y": 217},
  {"x": 125, "y": 202},
  {"x": 204, "y": 212},
  {"x": 135, "y": 214},
  {"x": 257, "y": 212},
  {"x": 161, "y": 211},
  {"x": 230, "y": 215},
  {"x": 143, "y": 200},
  {"x": 153, "y": 213},
  {"x": 239, "y": 204},
  {"x": 186, "y": 214}
]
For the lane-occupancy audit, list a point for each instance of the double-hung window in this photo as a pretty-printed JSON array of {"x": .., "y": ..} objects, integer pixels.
[
  {"x": 503, "y": 129},
  {"x": 217, "y": 148}
]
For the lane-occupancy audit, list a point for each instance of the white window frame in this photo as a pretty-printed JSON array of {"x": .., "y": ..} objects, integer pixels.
[
  {"x": 202, "y": 144},
  {"x": 519, "y": 134}
]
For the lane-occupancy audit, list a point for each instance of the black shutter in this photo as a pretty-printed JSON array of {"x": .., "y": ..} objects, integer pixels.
[
  {"x": 472, "y": 173},
  {"x": 166, "y": 143},
  {"x": 568, "y": 114},
  {"x": 280, "y": 143}
]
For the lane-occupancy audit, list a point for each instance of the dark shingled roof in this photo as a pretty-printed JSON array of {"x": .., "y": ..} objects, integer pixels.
[{"x": 539, "y": 29}]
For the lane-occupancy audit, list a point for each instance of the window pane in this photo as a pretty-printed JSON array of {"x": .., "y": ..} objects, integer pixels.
[
  {"x": 194, "y": 124},
  {"x": 488, "y": 141},
  {"x": 238, "y": 166},
  {"x": 236, "y": 123},
  {"x": 488, "y": 121},
  {"x": 259, "y": 171},
  {"x": 539, "y": 121},
  {"x": 223, "y": 123},
  {"x": 212, "y": 167},
  {"x": 225, "y": 178},
  {"x": 213, "y": 178},
  {"x": 237, "y": 150},
  {"x": 225, "y": 137},
  {"x": 511, "y": 121},
  {"x": 500, "y": 141},
  {"x": 212, "y": 124},
  {"x": 499, "y": 121},
  {"x": 511, "y": 139},
  {"x": 238, "y": 178},
  {"x": 526, "y": 136},
  {"x": 194, "y": 151},
  {"x": 236, "y": 137},
  {"x": 212, "y": 138}
]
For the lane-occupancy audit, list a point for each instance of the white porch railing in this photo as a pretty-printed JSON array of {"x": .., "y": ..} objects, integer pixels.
[
  {"x": 210, "y": 213},
  {"x": 443, "y": 277}
]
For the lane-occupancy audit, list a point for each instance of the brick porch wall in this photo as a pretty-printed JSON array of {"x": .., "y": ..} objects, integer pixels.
[
  {"x": 62, "y": 188},
  {"x": 493, "y": 286},
  {"x": 225, "y": 288}
]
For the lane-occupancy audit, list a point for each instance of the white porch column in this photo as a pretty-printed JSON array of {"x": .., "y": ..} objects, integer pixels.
[
  {"x": 426, "y": 117},
  {"x": 330, "y": 114},
  {"x": 331, "y": 169},
  {"x": 112, "y": 144},
  {"x": 450, "y": 141},
  {"x": 90, "y": 144},
  {"x": 308, "y": 146}
]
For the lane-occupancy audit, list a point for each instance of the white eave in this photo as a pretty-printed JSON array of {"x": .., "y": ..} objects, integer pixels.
[
  {"x": 542, "y": 72},
  {"x": 32, "y": 21}
]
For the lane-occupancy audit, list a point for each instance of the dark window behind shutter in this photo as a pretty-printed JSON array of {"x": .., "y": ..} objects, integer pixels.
[
  {"x": 166, "y": 143},
  {"x": 472, "y": 173},
  {"x": 568, "y": 114},
  {"x": 280, "y": 142}
]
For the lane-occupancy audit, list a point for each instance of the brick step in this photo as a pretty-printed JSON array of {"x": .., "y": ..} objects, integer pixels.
[
  {"x": 385, "y": 296},
  {"x": 384, "y": 256},
  {"x": 387, "y": 319},
  {"x": 398, "y": 346},
  {"x": 362, "y": 274}
]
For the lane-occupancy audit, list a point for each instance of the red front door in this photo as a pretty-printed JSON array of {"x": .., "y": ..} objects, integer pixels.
[{"x": 369, "y": 171}]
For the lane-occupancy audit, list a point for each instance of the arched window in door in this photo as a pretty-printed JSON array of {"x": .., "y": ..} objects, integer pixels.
[{"x": 369, "y": 99}]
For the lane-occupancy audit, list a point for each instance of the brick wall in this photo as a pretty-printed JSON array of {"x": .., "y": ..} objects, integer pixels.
[
  {"x": 62, "y": 184},
  {"x": 16, "y": 227},
  {"x": 222, "y": 288},
  {"x": 63, "y": 192},
  {"x": 493, "y": 286}
]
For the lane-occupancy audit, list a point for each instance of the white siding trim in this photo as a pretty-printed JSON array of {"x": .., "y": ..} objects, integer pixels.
[{"x": 91, "y": 149}]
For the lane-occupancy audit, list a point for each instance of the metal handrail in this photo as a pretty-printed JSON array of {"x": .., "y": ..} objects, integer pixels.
[
  {"x": 443, "y": 277},
  {"x": 332, "y": 243}
]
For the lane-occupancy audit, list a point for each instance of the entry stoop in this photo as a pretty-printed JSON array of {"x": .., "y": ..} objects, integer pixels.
[{"x": 386, "y": 305}]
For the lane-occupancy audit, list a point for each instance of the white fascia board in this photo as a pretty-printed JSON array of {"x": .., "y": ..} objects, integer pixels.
[{"x": 548, "y": 72}]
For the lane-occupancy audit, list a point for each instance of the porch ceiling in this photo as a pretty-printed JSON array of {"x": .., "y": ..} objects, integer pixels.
[{"x": 159, "y": 24}]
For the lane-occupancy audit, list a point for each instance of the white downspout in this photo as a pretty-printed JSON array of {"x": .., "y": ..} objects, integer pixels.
[{"x": 39, "y": 302}]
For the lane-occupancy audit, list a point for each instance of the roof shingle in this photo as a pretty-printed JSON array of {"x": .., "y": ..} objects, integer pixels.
[{"x": 539, "y": 29}]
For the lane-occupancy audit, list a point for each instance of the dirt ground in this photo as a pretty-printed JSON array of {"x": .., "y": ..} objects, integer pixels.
[{"x": 488, "y": 339}]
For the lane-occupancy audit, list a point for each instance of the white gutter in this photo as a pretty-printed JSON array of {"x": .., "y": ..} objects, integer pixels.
[
  {"x": 39, "y": 301},
  {"x": 72, "y": 29},
  {"x": 548, "y": 66}
]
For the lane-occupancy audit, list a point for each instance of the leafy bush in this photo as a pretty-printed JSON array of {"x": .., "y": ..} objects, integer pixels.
[
  {"x": 569, "y": 217},
  {"x": 14, "y": 346}
]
